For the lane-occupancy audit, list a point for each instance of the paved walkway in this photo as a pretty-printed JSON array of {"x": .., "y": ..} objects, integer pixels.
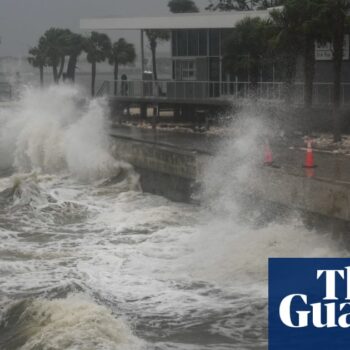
[{"x": 330, "y": 167}]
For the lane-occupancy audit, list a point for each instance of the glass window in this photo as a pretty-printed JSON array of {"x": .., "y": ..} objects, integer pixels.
[
  {"x": 214, "y": 42},
  {"x": 193, "y": 43},
  {"x": 188, "y": 70},
  {"x": 203, "y": 42},
  {"x": 190, "y": 42},
  {"x": 182, "y": 43},
  {"x": 214, "y": 69},
  {"x": 174, "y": 43}
]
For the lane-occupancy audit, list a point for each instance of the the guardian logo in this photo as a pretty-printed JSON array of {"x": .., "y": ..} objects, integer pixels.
[
  {"x": 309, "y": 304},
  {"x": 323, "y": 310}
]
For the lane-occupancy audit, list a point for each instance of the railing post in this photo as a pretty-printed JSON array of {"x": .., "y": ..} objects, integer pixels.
[
  {"x": 279, "y": 91},
  {"x": 236, "y": 88},
  {"x": 315, "y": 92}
]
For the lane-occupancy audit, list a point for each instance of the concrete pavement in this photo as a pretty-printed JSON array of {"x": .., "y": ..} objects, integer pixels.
[{"x": 289, "y": 156}]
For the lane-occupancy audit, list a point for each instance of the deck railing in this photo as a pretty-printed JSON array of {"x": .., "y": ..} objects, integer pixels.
[{"x": 203, "y": 90}]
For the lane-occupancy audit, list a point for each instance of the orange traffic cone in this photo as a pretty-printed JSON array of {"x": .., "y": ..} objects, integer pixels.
[
  {"x": 268, "y": 160},
  {"x": 309, "y": 157},
  {"x": 309, "y": 172}
]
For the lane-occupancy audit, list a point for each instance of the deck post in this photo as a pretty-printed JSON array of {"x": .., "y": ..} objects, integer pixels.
[
  {"x": 142, "y": 61},
  {"x": 143, "y": 111},
  {"x": 142, "y": 55},
  {"x": 220, "y": 63}
]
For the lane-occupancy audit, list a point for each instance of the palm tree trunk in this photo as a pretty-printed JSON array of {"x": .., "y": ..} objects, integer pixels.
[
  {"x": 71, "y": 66},
  {"x": 338, "y": 41},
  {"x": 291, "y": 63},
  {"x": 116, "y": 69},
  {"x": 254, "y": 70},
  {"x": 61, "y": 68},
  {"x": 55, "y": 73},
  {"x": 93, "y": 78},
  {"x": 41, "y": 70},
  {"x": 154, "y": 60},
  {"x": 309, "y": 73}
]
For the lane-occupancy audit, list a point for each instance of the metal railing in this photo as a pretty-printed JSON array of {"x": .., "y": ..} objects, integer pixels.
[{"x": 203, "y": 90}]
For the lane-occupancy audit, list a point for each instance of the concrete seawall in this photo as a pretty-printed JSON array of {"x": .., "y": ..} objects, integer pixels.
[
  {"x": 176, "y": 173},
  {"x": 166, "y": 171}
]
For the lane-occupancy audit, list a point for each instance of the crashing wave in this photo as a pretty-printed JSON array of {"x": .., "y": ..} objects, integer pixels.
[{"x": 75, "y": 322}]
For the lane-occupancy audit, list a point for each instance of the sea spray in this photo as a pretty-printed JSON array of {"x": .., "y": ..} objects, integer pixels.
[
  {"x": 238, "y": 233},
  {"x": 56, "y": 130},
  {"x": 75, "y": 322},
  {"x": 179, "y": 276}
]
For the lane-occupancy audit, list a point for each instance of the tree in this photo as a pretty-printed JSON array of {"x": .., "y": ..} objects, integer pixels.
[
  {"x": 182, "y": 6},
  {"x": 38, "y": 59},
  {"x": 74, "y": 48},
  {"x": 122, "y": 53},
  {"x": 337, "y": 23},
  {"x": 286, "y": 43},
  {"x": 247, "y": 47},
  {"x": 308, "y": 32},
  {"x": 54, "y": 42},
  {"x": 154, "y": 37},
  {"x": 98, "y": 49},
  {"x": 241, "y": 5},
  {"x": 302, "y": 27}
]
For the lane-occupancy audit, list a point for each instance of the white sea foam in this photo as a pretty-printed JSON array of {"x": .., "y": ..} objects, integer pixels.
[
  {"x": 178, "y": 273},
  {"x": 229, "y": 245},
  {"x": 57, "y": 129},
  {"x": 75, "y": 322}
]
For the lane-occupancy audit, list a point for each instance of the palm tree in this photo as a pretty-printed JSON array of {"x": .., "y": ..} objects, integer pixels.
[
  {"x": 75, "y": 46},
  {"x": 247, "y": 47},
  {"x": 337, "y": 23},
  {"x": 241, "y": 5},
  {"x": 98, "y": 49},
  {"x": 302, "y": 26},
  {"x": 54, "y": 41},
  {"x": 182, "y": 6},
  {"x": 286, "y": 43},
  {"x": 228, "y": 5},
  {"x": 154, "y": 37},
  {"x": 38, "y": 59},
  {"x": 308, "y": 32},
  {"x": 122, "y": 53}
]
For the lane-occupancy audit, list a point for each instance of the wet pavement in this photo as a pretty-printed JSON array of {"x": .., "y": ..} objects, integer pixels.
[{"x": 288, "y": 156}]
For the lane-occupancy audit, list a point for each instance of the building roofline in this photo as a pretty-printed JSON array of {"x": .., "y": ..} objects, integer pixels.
[{"x": 178, "y": 21}]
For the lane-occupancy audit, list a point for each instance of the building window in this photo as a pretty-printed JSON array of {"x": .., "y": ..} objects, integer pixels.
[
  {"x": 189, "y": 43},
  {"x": 193, "y": 43},
  {"x": 214, "y": 42},
  {"x": 188, "y": 70},
  {"x": 203, "y": 42},
  {"x": 182, "y": 43}
]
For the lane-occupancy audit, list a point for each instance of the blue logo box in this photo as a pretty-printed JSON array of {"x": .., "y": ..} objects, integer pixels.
[{"x": 309, "y": 304}]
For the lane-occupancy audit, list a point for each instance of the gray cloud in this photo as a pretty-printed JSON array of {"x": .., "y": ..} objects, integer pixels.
[{"x": 23, "y": 21}]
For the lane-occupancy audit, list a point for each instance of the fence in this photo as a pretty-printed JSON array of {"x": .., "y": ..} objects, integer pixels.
[{"x": 203, "y": 90}]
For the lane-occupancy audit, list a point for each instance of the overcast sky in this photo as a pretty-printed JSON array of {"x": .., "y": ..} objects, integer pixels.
[{"x": 23, "y": 21}]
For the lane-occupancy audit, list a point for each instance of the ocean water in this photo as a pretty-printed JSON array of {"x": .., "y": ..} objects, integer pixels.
[{"x": 89, "y": 261}]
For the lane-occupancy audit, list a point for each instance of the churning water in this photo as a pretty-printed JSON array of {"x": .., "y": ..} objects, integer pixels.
[{"x": 88, "y": 261}]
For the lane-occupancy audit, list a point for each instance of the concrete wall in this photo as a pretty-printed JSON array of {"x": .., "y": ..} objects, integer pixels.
[
  {"x": 312, "y": 195},
  {"x": 175, "y": 173},
  {"x": 165, "y": 171}
]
